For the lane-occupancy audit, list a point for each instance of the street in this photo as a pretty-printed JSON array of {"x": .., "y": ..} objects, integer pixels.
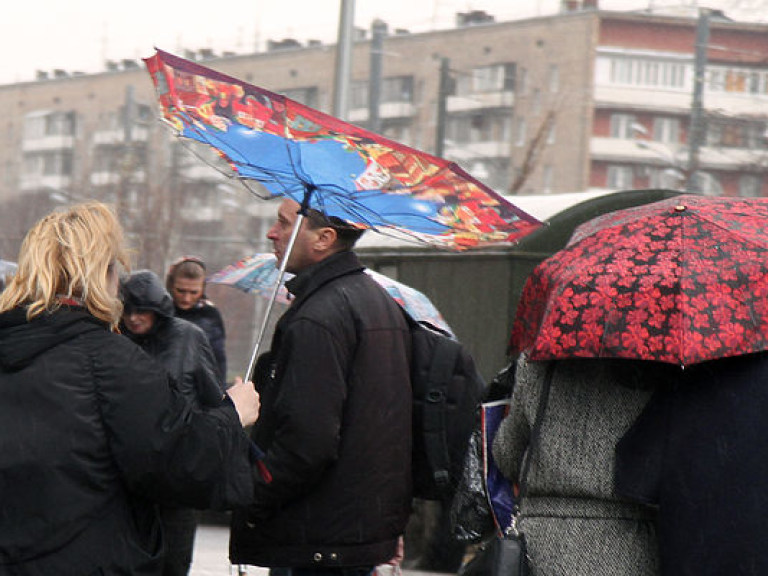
[
  {"x": 211, "y": 553},
  {"x": 211, "y": 557}
]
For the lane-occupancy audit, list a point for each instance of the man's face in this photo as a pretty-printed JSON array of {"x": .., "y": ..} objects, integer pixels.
[
  {"x": 187, "y": 291},
  {"x": 139, "y": 321},
  {"x": 302, "y": 254}
]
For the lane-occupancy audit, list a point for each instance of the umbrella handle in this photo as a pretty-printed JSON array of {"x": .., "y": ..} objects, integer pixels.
[{"x": 273, "y": 297}]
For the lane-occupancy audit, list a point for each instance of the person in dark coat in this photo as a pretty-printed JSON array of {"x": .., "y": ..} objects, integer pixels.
[
  {"x": 185, "y": 283},
  {"x": 697, "y": 453},
  {"x": 184, "y": 352},
  {"x": 336, "y": 418},
  {"x": 92, "y": 434}
]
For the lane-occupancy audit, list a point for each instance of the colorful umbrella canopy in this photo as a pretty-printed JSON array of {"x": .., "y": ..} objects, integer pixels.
[
  {"x": 335, "y": 167},
  {"x": 259, "y": 274},
  {"x": 682, "y": 281},
  {"x": 7, "y": 267}
]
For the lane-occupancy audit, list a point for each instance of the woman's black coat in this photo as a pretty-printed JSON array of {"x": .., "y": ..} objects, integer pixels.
[{"x": 92, "y": 436}]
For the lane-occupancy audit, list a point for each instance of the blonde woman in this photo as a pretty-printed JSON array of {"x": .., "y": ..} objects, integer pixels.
[{"x": 92, "y": 436}]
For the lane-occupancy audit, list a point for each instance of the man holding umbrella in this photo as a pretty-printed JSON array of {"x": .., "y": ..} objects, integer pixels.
[{"x": 336, "y": 413}]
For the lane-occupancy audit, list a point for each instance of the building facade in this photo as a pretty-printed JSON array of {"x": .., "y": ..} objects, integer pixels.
[{"x": 584, "y": 99}]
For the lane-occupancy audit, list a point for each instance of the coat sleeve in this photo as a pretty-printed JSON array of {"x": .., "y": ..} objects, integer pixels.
[
  {"x": 308, "y": 415},
  {"x": 162, "y": 447},
  {"x": 201, "y": 369},
  {"x": 513, "y": 436},
  {"x": 217, "y": 338}
]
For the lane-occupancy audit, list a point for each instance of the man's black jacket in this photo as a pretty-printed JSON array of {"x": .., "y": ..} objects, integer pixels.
[{"x": 335, "y": 424}]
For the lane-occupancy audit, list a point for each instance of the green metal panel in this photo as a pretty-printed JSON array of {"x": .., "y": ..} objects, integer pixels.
[{"x": 477, "y": 291}]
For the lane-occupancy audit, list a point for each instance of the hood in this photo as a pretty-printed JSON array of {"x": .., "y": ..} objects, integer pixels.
[
  {"x": 143, "y": 290},
  {"x": 21, "y": 341}
]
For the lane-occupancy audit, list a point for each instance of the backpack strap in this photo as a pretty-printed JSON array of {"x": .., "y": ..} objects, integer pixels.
[{"x": 444, "y": 358}]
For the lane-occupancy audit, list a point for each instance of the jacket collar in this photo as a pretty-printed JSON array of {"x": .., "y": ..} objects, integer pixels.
[
  {"x": 22, "y": 340},
  {"x": 310, "y": 279}
]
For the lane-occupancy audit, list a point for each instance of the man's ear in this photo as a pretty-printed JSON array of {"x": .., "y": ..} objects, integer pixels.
[{"x": 326, "y": 238}]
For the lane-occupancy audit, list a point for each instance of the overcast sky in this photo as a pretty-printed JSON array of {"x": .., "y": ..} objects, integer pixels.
[{"x": 80, "y": 35}]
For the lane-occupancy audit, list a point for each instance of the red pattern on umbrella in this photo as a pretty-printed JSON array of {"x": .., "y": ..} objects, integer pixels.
[{"x": 683, "y": 281}]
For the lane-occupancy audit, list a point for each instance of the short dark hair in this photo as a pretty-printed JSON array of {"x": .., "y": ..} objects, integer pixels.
[{"x": 346, "y": 234}]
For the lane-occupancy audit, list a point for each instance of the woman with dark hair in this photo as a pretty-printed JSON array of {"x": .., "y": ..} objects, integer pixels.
[
  {"x": 185, "y": 283},
  {"x": 93, "y": 435}
]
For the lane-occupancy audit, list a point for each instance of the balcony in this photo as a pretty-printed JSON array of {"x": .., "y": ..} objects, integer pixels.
[
  {"x": 469, "y": 151},
  {"x": 659, "y": 154},
  {"x": 110, "y": 178},
  {"x": 201, "y": 172},
  {"x": 117, "y": 136},
  {"x": 45, "y": 182},
  {"x": 479, "y": 101},
  {"x": 48, "y": 143},
  {"x": 387, "y": 111}
]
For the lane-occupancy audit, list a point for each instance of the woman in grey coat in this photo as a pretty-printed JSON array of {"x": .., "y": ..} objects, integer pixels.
[{"x": 573, "y": 521}]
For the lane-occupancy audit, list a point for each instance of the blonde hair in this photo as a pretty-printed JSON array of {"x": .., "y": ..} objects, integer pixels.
[{"x": 69, "y": 254}]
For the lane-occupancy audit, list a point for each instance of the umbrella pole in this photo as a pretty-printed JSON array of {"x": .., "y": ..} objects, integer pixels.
[{"x": 273, "y": 297}]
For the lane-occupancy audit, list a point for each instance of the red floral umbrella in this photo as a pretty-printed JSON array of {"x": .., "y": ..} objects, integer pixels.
[{"x": 682, "y": 281}]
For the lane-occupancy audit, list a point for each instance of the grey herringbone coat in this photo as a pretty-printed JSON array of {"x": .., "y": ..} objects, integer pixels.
[{"x": 573, "y": 522}]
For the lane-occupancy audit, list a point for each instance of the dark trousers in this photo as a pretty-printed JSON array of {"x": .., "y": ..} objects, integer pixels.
[
  {"x": 360, "y": 571},
  {"x": 179, "y": 526}
]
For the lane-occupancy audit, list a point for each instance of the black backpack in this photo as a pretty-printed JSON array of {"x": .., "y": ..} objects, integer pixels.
[{"x": 447, "y": 389}]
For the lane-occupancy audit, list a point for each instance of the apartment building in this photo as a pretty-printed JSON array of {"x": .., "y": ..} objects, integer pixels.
[{"x": 584, "y": 99}]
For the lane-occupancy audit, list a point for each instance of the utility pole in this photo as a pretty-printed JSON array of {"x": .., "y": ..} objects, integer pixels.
[
  {"x": 442, "y": 96},
  {"x": 378, "y": 32},
  {"x": 696, "y": 128},
  {"x": 343, "y": 59}
]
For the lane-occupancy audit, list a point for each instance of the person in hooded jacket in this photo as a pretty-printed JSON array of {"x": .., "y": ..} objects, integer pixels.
[
  {"x": 92, "y": 434},
  {"x": 183, "y": 350}
]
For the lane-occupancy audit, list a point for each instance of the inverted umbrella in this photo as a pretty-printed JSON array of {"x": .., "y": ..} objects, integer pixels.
[
  {"x": 682, "y": 281},
  {"x": 7, "y": 268},
  {"x": 259, "y": 273},
  {"x": 330, "y": 165}
]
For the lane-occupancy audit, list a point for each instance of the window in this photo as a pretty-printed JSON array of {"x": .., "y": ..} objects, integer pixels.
[
  {"x": 521, "y": 130},
  {"x": 53, "y": 163},
  {"x": 397, "y": 89},
  {"x": 644, "y": 72},
  {"x": 750, "y": 186},
  {"x": 620, "y": 177},
  {"x": 398, "y": 132},
  {"x": 536, "y": 101},
  {"x": 307, "y": 96},
  {"x": 621, "y": 125},
  {"x": 551, "y": 133},
  {"x": 478, "y": 128},
  {"x": 665, "y": 178},
  {"x": 50, "y": 124},
  {"x": 495, "y": 78},
  {"x": 666, "y": 130},
  {"x": 735, "y": 80},
  {"x": 707, "y": 184},
  {"x": 548, "y": 177},
  {"x": 358, "y": 94},
  {"x": 554, "y": 78}
]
